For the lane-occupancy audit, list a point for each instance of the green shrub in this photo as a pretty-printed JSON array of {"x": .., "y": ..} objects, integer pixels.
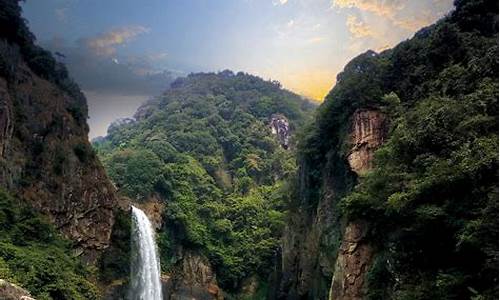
[
  {"x": 83, "y": 152},
  {"x": 114, "y": 263}
]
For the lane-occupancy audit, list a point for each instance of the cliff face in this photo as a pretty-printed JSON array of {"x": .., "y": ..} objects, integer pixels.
[
  {"x": 280, "y": 127},
  {"x": 353, "y": 261},
  {"x": 368, "y": 131},
  {"x": 10, "y": 291},
  {"x": 367, "y": 134},
  {"x": 192, "y": 278},
  {"x": 306, "y": 269},
  {"x": 319, "y": 261},
  {"x": 46, "y": 160}
]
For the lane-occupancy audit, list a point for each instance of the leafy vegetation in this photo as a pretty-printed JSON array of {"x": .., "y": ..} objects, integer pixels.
[
  {"x": 115, "y": 260},
  {"x": 432, "y": 198},
  {"x": 205, "y": 147},
  {"x": 33, "y": 255}
]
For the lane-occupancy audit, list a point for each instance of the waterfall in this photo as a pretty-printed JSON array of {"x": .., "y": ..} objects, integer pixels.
[{"x": 145, "y": 264}]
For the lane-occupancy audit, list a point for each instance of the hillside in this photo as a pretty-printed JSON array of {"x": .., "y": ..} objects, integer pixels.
[
  {"x": 57, "y": 204},
  {"x": 397, "y": 191},
  {"x": 205, "y": 151}
]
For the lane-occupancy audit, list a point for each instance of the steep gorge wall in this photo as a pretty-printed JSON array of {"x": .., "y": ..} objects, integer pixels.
[
  {"x": 323, "y": 257},
  {"x": 368, "y": 131},
  {"x": 306, "y": 269},
  {"x": 385, "y": 226},
  {"x": 46, "y": 159}
]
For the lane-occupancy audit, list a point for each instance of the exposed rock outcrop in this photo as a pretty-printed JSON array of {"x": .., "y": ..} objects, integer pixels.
[
  {"x": 10, "y": 291},
  {"x": 318, "y": 243},
  {"x": 281, "y": 128},
  {"x": 367, "y": 134},
  {"x": 5, "y": 117},
  {"x": 46, "y": 159},
  {"x": 153, "y": 207},
  {"x": 353, "y": 261},
  {"x": 368, "y": 131},
  {"x": 192, "y": 278}
]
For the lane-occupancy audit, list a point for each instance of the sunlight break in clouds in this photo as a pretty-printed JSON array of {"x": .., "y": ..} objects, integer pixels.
[
  {"x": 380, "y": 24},
  {"x": 406, "y": 14},
  {"x": 314, "y": 84},
  {"x": 378, "y": 7},
  {"x": 105, "y": 44},
  {"x": 358, "y": 28}
]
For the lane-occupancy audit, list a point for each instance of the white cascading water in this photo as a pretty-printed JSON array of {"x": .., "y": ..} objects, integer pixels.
[{"x": 145, "y": 265}]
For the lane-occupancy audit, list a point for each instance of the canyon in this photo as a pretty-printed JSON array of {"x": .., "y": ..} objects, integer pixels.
[{"x": 387, "y": 190}]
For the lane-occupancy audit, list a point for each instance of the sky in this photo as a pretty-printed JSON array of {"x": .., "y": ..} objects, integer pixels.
[{"x": 123, "y": 52}]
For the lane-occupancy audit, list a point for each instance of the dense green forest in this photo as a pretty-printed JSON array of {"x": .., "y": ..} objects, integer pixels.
[
  {"x": 432, "y": 198},
  {"x": 206, "y": 149}
]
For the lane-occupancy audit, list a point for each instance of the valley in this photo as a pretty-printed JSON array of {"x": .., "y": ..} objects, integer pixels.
[{"x": 229, "y": 186}]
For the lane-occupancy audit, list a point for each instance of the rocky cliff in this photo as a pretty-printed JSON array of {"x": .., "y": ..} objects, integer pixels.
[
  {"x": 367, "y": 133},
  {"x": 355, "y": 255},
  {"x": 353, "y": 262},
  {"x": 193, "y": 277},
  {"x": 306, "y": 269},
  {"x": 317, "y": 244},
  {"x": 280, "y": 127},
  {"x": 10, "y": 291},
  {"x": 45, "y": 156}
]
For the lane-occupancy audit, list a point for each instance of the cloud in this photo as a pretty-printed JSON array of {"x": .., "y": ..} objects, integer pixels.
[
  {"x": 310, "y": 82},
  {"x": 279, "y": 2},
  {"x": 61, "y": 14},
  {"x": 158, "y": 56},
  {"x": 382, "y": 48},
  {"x": 424, "y": 18},
  {"x": 106, "y": 108},
  {"x": 113, "y": 74},
  {"x": 115, "y": 85},
  {"x": 358, "y": 28},
  {"x": 384, "y": 8},
  {"x": 300, "y": 32},
  {"x": 317, "y": 39},
  {"x": 405, "y": 14},
  {"x": 105, "y": 44}
]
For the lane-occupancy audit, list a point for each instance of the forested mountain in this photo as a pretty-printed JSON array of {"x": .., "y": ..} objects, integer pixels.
[
  {"x": 398, "y": 180},
  {"x": 205, "y": 148}
]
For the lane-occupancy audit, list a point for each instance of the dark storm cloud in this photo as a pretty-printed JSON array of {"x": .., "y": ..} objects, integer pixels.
[
  {"x": 115, "y": 84},
  {"x": 93, "y": 63}
]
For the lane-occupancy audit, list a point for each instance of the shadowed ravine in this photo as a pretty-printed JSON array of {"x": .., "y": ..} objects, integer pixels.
[{"x": 145, "y": 264}]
